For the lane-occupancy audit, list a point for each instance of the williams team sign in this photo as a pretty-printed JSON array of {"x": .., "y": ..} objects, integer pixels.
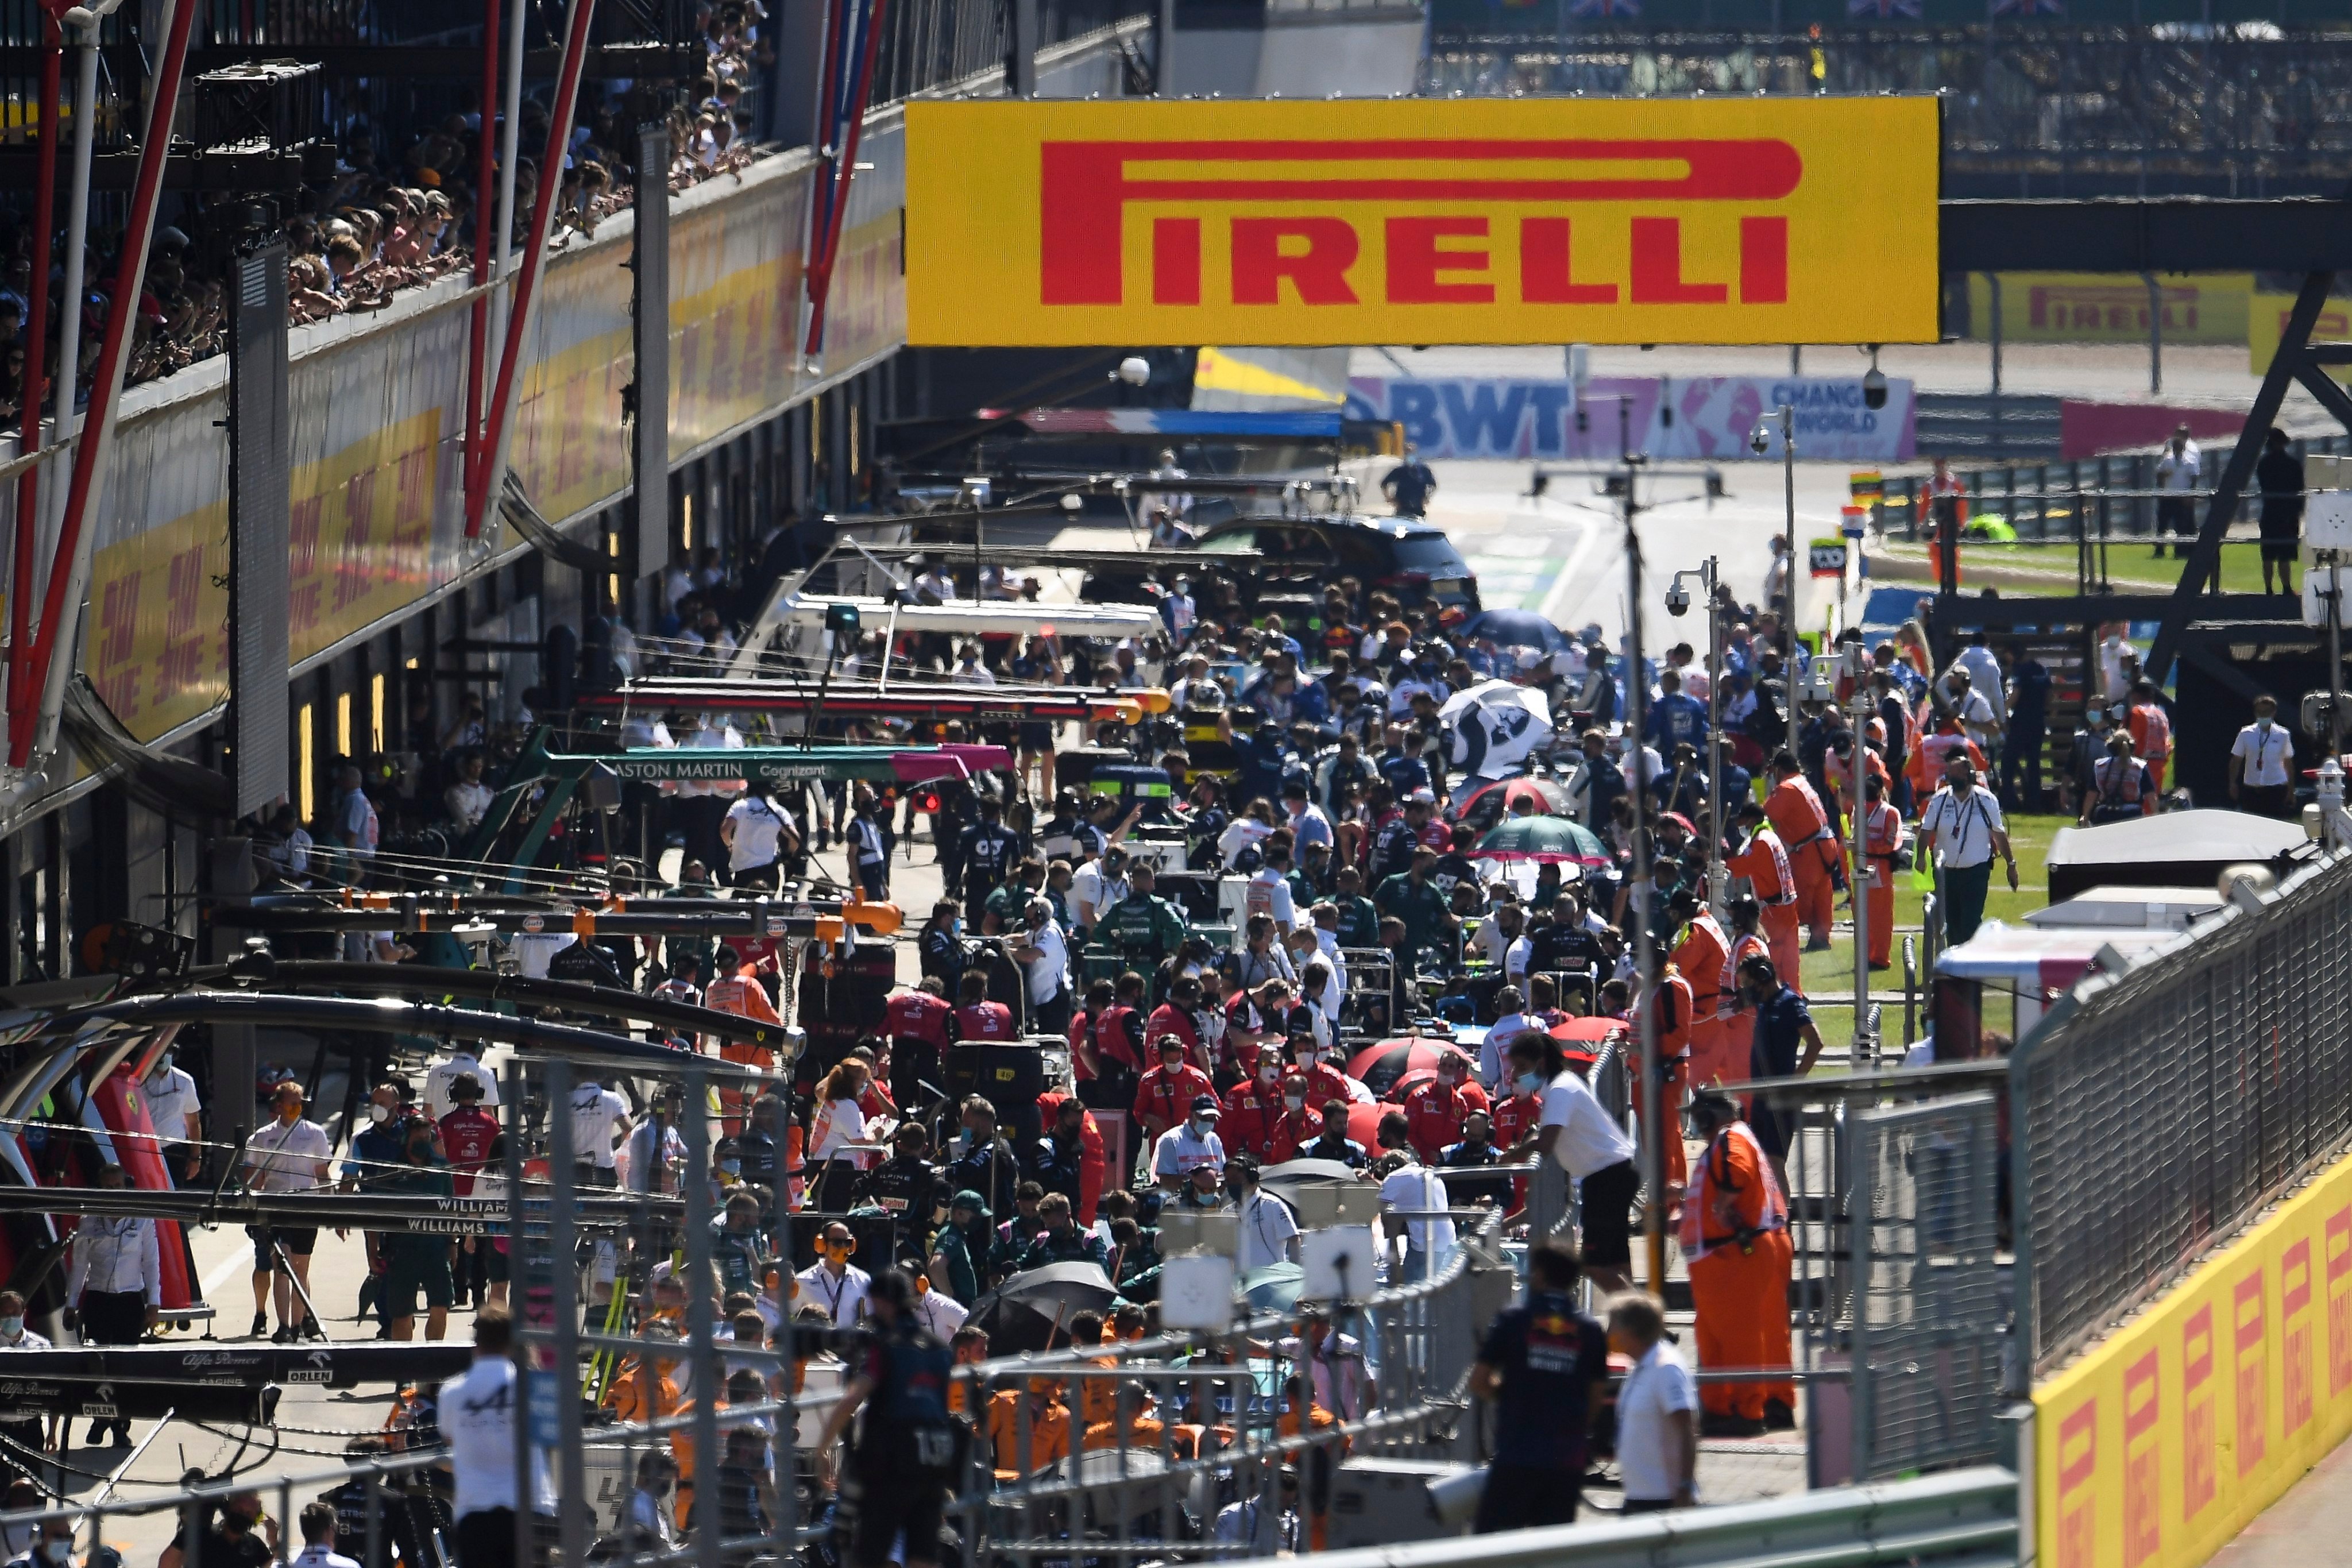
[{"x": 1706, "y": 220}]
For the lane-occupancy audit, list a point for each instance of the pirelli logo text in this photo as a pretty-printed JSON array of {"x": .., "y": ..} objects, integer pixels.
[{"x": 1510, "y": 221}]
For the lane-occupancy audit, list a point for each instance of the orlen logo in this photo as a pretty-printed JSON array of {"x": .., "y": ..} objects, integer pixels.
[{"x": 1426, "y": 259}]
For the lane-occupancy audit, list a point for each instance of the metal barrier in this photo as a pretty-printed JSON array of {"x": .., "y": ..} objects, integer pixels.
[
  {"x": 1968, "y": 1517},
  {"x": 2158, "y": 1109},
  {"x": 1926, "y": 1317},
  {"x": 1121, "y": 1458}
]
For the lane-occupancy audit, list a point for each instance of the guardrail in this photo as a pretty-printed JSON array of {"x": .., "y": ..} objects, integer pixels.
[
  {"x": 1967, "y": 1516},
  {"x": 2159, "y": 1109}
]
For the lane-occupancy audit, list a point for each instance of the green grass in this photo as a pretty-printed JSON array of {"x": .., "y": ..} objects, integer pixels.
[
  {"x": 2131, "y": 565},
  {"x": 1834, "y": 970}
]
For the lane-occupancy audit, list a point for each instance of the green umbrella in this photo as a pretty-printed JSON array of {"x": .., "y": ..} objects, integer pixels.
[
  {"x": 1545, "y": 839},
  {"x": 1273, "y": 1289}
]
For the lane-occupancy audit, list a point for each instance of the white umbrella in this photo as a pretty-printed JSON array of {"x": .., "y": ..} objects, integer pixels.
[{"x": 1493, "y": 727}]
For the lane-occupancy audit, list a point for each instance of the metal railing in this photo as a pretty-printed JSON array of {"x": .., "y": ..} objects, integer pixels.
[
  {"x": 1129, "y": 1452},
  {"x": 2158, "y": 1110}
]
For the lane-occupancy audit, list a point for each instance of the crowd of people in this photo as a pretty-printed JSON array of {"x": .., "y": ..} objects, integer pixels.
[{"x": 398, "y": 211}]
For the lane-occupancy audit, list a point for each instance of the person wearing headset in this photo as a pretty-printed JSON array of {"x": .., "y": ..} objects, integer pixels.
[{"x": 832, "y": 1282}]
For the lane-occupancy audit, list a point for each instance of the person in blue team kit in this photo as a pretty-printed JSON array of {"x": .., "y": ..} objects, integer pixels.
[
  {"x": 1546, "y": 1366},
  {"x": 1676, "y": 718}
]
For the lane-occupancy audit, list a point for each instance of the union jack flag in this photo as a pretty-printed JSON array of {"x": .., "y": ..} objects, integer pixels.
[
  {"x": 1882, "y": 9},
  {"x": 1604, "y": 7},
  {"x": 2029, "y": 8}
]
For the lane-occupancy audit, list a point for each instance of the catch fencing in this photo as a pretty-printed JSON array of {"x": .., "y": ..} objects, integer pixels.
[{"x": 2159, "y": 1109}]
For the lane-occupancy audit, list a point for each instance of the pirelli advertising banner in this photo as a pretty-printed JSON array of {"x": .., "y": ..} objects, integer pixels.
[
  {"x": 1498, "y": 221},
  {"x": 2156, "y": 1446}
]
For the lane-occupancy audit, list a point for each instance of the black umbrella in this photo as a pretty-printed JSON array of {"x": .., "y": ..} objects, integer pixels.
[{"x": 1029, "y": 1311}]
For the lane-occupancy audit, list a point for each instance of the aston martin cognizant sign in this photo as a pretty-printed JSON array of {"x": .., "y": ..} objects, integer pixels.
[{"x": 1525, "y": 220}]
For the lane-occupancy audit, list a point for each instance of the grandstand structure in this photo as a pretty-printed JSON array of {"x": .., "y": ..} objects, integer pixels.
[{"x": 2100, "y": 101}]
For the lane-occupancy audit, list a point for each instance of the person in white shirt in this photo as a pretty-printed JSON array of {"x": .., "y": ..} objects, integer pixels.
[
  {"x": 1190, "y": 1142},
  {"x": 477, "y": 1414},
  {"x": 1494, "y": 1068},
  {"x": 1657, "y": 1409},
  {"x": 935, "y": 1310},
  {"x": 832, "y": 1282},
  {"x": 599, "y": 1117},
  {"x": 290, "y": 1155},
  {"x": 114, "y": 1285},
  {"x": 176, "y": 1114},
  {"x": 756, "y": 833},
  {"x": 1343, "y": 1382},
  {"x": 1964, "y": 820},
  {"x": 1095, "y": 887},
  {"x": 1974, "y": 710},
  {"x": 469, "y": 798},
  {"x": 2114, "y": 648},
  {"x": 1410, "y": 1191},
  {"x": 969, "y": 671},
  {"x": 318, "y": 1527},
  {"x": 535, "y": 949},
  {"x": 658, "y": 1149},
  {"x": 1248, "y": 1529},
  {"x": 1269, "y": 1231},
  {"x": 2180, "y": 473},
  {"x": 1985, "y": 676},
  {"x": 1590, "y": 1145},
  {"x": 1044, "y": 953},
  {"x": 462, "y": 1063},
  {"x": 2262, "y": 763}
]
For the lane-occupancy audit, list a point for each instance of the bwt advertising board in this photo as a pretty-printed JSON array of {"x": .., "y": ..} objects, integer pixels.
[
  {"x": 1706, "y": 418},
  {"x": 1513, "y": 221}
]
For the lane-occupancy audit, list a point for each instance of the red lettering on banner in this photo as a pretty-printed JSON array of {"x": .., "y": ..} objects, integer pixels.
[
  {"x": 1320, "y": 272},
  {"x": 2078, "y": 1499},
  {"x": 2250, "y": 1340},
  {"x": 2338, "y": 1243},
  {"x": 2143, "y": 1482},
  {"x": 2199, "y": 1464},
  {"x": 302, "y": 535},
  {"x": 1175, "y": 261},
  {"x": 1086, "y": 188},
  {"x": 1763, "y": 261},
  {"x": 2296, "y": 1358},
  {"x": 175, "y": 666},
  {"x": 1547, "y": 276},
  {"x": 1658, "y": 267},
  {"x": 352, "y": 576},
  {"x": 117, "y": 645},
  {"x": 1416, "y": 259}
]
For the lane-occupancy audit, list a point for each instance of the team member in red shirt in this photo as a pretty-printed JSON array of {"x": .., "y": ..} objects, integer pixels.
[
  {"x": 1436, "y": 1108},
  {"x": 1173, "y": 1019},
  {"x": 1252, "y": 1107},
  {"x": 1255, "y": 1020},
  {"x": 915, "y": 1023},
  {"x": 1296, "y": 1126},
  {"x": 1164, "y": 1096},
  {"x": 977, "y": 1018},
  {"x": 1324, "y": 1081},
  {"x": 466, "y": 1134},
  {"x": 1107, "y": 1057}
]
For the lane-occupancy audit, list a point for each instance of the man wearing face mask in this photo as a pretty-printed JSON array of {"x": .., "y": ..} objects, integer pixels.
[
  {"x": 985, "y": 1162},
  {"x": 116, "y": 1279},
  {"x": 2262, "y": 762},
  {"x": 1269, "y": 1231},
  {"x": 1297, "y": 1124},
  {"x": 736, "y": 1244},
  {"x": 1043, "y": 952},
  {"x": 1062, "y": 1240},
  {"x": 1436, "y": 1108},
  {"x": 178, "y": 1116},
  {"x": 290, "y": 1155},
  {"x": 467, "y": 1134},
  {"x": 1189, "y": 1146},
  {"x": 1069, "y": 1158},
  {"x": 1253, "y": 1107},
  {"x": 411, "y": 1262},
  {"x": 1324, "y": 1081},
  {"x": 440, "y": 1083}
]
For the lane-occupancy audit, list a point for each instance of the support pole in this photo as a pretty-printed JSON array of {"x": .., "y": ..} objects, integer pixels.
[
  {"x": 2155, "y": 335},
  {"x": 1789, "y": 497},
  {"x": 76, "y": 261},
  {"x": 1637, "y": 692},
  {"x": 1719, "y": 881},
  {"x": 649, "y": 322},
  {"x": 498, "y": 431},
  {"x": 485, "y": 259},
  {"x": 68, "y": 569},
  {"x": 27, "y": 520}
]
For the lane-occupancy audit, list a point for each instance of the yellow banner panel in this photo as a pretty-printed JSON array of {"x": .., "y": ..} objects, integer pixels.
[
  {"x": 158, "y": 638},
  {"x": 2157, "y": 1448},
  {"x": 2266, "y": 318},
  {"x": 1470, "y": 221},
  {"x": 2111, "y": 307}
]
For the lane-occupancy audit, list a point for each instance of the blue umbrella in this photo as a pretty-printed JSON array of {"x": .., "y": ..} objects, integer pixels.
[{"x": 1515, "y": 628}]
